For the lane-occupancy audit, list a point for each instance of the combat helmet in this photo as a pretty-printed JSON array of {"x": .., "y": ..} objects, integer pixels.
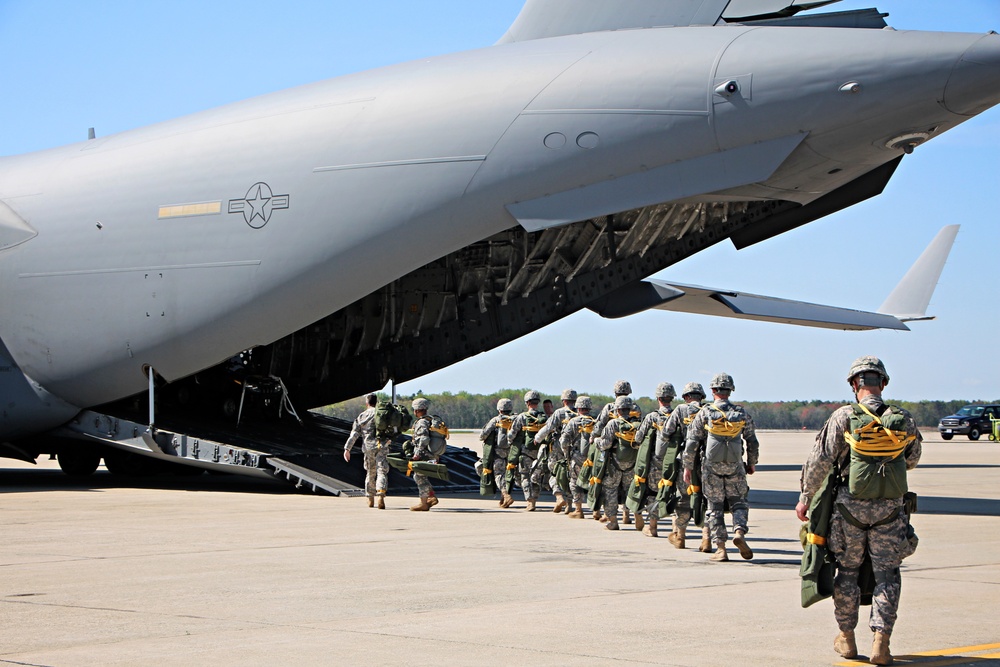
[
  {"x": 505, "y": 405},
  {"x": 723, "y": 381},
  {"x": 665, "y": 390},
  {"x": 532, "y": 396},
  {"x": 421, "y": 404},
  {"x": 867, "y": 364},
  {"x": 568, "y": 395},
  {"x": 622, "y": 388},
  {"x": 694, "y": 388},
  {"x": 583, "y": 402},
  {"x": 623, "y": 405}
]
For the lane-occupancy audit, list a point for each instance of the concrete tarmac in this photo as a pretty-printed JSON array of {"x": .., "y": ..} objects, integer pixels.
[{"x": 226, "y": 571}]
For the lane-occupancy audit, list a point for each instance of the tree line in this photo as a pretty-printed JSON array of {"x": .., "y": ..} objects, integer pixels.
[{"x": 465, "y": 410}]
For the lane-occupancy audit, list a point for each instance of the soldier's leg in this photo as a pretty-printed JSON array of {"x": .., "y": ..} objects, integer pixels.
[
  {"x": 884, "y": 544},
  {"x": 524, "y": 472},
  {"x": 737, "y": 492},
  {"x": 370, "y": 471},
  {"x": 611, "y": 483},
  {"x": 381, "y": 472},
  {"x": 847, "y": 544},
  {"x": 714, "y": 489}
]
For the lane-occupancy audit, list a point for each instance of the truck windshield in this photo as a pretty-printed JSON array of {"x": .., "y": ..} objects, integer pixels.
[{"x": 971, "y": 411}]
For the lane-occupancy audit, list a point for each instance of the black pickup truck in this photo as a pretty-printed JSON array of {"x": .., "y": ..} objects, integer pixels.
[{"x": 972, "y": 420}]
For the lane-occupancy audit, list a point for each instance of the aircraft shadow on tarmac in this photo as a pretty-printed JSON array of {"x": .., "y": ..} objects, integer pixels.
[{"x": 925, "y": 504}]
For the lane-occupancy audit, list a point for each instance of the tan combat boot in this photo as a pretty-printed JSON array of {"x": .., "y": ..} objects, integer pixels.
[
  {"x": 531, "y": 505},
  {"x": 432, "y": 500},
  {"x": 371, "y": 501},
  {"x": 880, "y": 649},
  {"x": 845, "y": 645},
  {"x": 506, "y": 500},
  {"x": 577, "y": 513},
  {"x": 677, "y": 536},
  {"x": 740, "y": 543},
  {"x": 720, "y": 555},
  {"x": 612, "y": 523},
  {"x": 706, "y": 544},
  {"x": 560, "y": 504},
  {"x": 650, "y": 529},
  {"x": 569, "y": 506},
  {"x": 626, "y": 516},
  {"x": 422, "y": 506},
  {"x": 639, "y": 523},
  {"x": 381, "y": 502}
]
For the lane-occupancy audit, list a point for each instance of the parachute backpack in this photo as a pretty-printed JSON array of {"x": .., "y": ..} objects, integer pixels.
[
  {"x": 439, "y": 437},
  {"x": 877, "y": 468},
  {"x": 724, "y": 443},
  {"x": 391, "y": 419},
  {"x": 532, "y": 425},
  {"x": 626, "y": 451}
]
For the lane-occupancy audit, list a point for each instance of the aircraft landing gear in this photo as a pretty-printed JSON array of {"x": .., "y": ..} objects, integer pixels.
[{"x": 79, "y": 462}]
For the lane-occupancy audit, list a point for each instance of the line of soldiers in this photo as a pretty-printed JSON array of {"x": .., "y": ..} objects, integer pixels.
[{"x": 687, "y": 461}]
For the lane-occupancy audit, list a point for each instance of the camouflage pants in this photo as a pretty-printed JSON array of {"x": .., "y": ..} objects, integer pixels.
[
  {"x": 575, "y": 463},
  {"x": 500, "y": 467},
  {"x": 531, "y": 480},
  {"x": 683, "y": 510},
  {"x": 886, "y": 545},
  {"x": 615, "y": 485},
  {"x": 376, "y": 471},
  {"x": 423, "y": 483},
  {"x": 718, "y": 489},
  {"x": 653, "y": 477}
]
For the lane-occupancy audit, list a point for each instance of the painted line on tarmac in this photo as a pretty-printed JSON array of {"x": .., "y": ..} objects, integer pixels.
[{"x": 917, "y": 658}]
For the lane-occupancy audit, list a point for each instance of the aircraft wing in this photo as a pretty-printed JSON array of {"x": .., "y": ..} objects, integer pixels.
[
  {"x": 907, "y": 302},
  {"x": 553, "y": 18}
]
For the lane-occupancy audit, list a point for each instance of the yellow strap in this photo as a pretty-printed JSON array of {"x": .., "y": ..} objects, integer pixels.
[
  {"x": 511, "y": 466},
  {"x": 693, "y": 489},
  {"x": 533, "y": 428},
  {"x": 640, "y": 480},
  {"x": 506, "y": 423},
  {"x": 409, "y": 468},
  {"x": 589, "y": 428},
  {"x": 687, "y": 420},
  {"x": 586, "y": 463},
  {"x": 442, "y": 430},
  {"x": 628, "y": 436},
  {"x": 664, "y": 482},
  {"x": 595, "y": 480},
  {"x": 876, "y": 440},
  {"x": 487, "y": 471},
  {"x": 658, "y": 426},
  {"x": 812, "y": 538}
]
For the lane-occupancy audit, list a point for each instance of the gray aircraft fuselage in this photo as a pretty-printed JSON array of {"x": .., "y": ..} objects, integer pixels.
[{"x": 177, "y": 245}]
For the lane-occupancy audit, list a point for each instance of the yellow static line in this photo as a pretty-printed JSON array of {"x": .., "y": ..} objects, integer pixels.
[{"x": 915, "y": 658}]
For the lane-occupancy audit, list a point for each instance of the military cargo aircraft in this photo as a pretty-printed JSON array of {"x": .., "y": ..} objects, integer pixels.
[{"x": 331, "y": 238}]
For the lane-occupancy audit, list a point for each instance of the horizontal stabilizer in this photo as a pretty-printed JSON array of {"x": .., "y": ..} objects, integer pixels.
[{"x": 912, "y": 295}]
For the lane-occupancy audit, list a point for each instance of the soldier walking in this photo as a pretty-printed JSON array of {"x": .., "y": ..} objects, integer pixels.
[
  {"x": 575, "y": 442},
  {"x": 652, "y": 426},
  {"x": 617, "y": 445},
  {"x": 675, "y": 431},
  {"x": 621, "y": 388},
  {"x": 376, "y": 463},
  {"x": 869, "y": 446},
  {"x": 422, "y": 451},
  {"x": 549, "y": 436},
  {"x": 496, "y": 447},
  {"x": 724, "y": 427},
  {"x": 523, "y": 461}
]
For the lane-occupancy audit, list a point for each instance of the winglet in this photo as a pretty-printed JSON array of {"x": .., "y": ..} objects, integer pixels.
[{"x": 909, "y": 300}]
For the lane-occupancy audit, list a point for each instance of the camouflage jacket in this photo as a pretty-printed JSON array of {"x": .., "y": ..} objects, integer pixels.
[
  {"x": 556, "y": 423},
  {"x": 364, "y": 427},
  {"x": 422, "y": 438},
  {"x": 608, "y": 441},
  {"x": 608, "y": 413},
  {"x": 496, "y": 425},
  {"x": 677, "y": 426},
  {"x": 575, "y": 438},
  {"x": 656, "y": 420},
  {"x": 518, "y": 425}
]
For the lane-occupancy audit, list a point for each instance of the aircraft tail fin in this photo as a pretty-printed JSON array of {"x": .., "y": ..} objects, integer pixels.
[{"x": 909, "y": 300}]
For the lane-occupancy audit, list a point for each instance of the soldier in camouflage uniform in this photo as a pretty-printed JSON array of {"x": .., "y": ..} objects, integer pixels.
[
  {"x": 499, "y": 427},
  {"x": 676, "y": 429},
  {"x": 862, "y": 442},
  {"x": 575, "y": 442},
  {"x": 376, "y": 463},
  {"x": 656, "y": 420},
  {"x": 617, "y": 442},
  {"x": 422, "y": 452},
  {"x": 724, "y": 428},
  {"x": 621, "y": 388},
  {"x": 529, "y": 470},
  {"x": 551, "y": 432}
]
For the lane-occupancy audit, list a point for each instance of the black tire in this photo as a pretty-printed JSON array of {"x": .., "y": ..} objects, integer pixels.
[
  {"x": 947, "y": 436},
  {"x": 974, "y": 433},
  {"x": 79, "y": 462}
]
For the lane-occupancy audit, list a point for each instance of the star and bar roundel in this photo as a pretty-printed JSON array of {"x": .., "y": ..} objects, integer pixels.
[{"x": 258, "y": 204}]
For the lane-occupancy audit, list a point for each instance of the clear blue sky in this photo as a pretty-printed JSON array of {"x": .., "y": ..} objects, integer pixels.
[{"x": 116, "y": 65}]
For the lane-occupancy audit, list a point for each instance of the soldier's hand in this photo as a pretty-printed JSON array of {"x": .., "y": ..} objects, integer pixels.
[
  {"x": 687, "y": 476},
  {"x": 347, "y": 455},
  {"x": 800, "y": 511},
  {"x": 751, "y": 469},
  {"x": 416, "y": 457}
]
